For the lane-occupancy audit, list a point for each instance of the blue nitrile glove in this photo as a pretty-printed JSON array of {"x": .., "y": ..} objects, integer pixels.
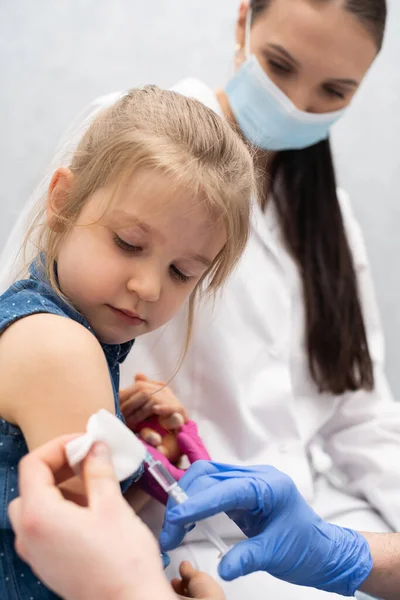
[{"x": 287, "y": 538}]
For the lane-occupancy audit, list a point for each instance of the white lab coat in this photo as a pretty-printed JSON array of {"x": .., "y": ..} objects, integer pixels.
[{"x": 245, "y": 381}]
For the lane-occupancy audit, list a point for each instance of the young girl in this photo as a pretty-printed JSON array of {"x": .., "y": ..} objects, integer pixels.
[{"x": 152, "y": 209}]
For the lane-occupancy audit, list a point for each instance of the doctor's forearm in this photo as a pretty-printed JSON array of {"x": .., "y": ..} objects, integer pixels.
[{"x": 384, "y": 580}]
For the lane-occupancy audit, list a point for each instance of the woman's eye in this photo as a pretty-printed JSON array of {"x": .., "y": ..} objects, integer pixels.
[
  {"x": 178, "y": 275},
  {"x": 332, "y": 92},
  {"x": 124, "y": 245},
  {"x": 279, "y": 67}
]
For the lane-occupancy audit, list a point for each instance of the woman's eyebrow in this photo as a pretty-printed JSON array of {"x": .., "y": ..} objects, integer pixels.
[
  {"x": 343, "y": 81},
  {"x": 284, "y": 53}
]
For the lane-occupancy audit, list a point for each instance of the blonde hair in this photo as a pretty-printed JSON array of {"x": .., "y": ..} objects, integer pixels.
[{"x": 157, "y": 129}]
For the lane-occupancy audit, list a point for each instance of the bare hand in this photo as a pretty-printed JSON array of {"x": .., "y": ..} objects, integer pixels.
[
  {"x": 146, "y": 398},
  {"x": 196, "y": 584},
  {"x": 102, "y": 551}
]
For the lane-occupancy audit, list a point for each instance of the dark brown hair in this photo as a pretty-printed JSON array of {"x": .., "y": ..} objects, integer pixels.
[{"x": 305, "y": 194}]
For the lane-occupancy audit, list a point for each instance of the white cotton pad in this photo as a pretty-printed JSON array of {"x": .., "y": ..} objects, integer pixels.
[{"x": 127, "y": 451}]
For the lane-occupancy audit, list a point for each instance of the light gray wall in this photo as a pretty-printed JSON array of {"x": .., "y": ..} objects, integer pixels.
[{"x": 55, "y": 57}]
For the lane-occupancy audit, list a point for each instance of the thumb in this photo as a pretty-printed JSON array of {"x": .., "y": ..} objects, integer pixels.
[
  {"x": 192, "y": 581},
  {"x": 244, "y": 558},
  {"x": 186, "y": 570},
  {"x": 15, "y": 516},
  {"x": 101, "y": 485}
]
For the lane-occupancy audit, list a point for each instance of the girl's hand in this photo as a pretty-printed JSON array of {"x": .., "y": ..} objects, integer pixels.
[
  {"x": 190, "y": 444},
  {"x": 146, "y": 398},
  {"x": 196, "y": 584}
]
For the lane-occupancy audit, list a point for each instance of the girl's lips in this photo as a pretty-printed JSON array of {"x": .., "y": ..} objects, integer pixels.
[{"x": 127, "y": 315}]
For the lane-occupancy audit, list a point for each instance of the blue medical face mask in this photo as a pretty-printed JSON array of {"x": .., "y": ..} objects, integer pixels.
[{"x": 266, "y": 116}]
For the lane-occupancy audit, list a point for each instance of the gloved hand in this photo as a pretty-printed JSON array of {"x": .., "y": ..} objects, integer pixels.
[
  {"x": 190, "y": 444},
  {"x": 287, "y": 538}
]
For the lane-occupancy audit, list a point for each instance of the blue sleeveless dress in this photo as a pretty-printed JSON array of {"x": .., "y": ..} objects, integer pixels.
[{"x": 23, "y": 298}]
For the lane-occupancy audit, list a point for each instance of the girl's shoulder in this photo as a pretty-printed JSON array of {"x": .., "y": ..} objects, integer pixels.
[
  {"x": 52, "y": 320},
  {"x": 24, "y": 298},
  {"x": 34, "y": 295},
  {"x": 39, "y": 331},
  {"x": 48, "y": 360}
]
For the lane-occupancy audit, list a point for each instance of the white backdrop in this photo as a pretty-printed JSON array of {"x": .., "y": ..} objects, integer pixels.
[{"x": 55, "y": 57}]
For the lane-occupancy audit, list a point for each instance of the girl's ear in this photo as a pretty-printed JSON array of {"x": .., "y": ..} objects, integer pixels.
[{"x": 57, "y": 197}]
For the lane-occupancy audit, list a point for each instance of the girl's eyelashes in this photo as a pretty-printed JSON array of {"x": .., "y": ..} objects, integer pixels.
[
  {"x": 175, "y": 272},
  {"x": 124, "y": 245},
  {"x": 178, "y": 275}
]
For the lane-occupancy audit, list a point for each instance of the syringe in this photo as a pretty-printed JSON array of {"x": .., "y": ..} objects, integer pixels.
[
  {"x": 174, "y": 491},
  {"x": 105, "y": 427}
]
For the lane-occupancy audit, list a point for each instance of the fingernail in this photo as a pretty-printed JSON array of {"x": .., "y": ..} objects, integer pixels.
[
  {"x": 100, "y": 450},
  {"x": 176, "y": 420},
  {"x": 185, "y": 563},
  {"x": 154, "y": 439}
]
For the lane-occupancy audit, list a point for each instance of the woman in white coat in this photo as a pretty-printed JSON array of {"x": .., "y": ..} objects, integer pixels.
[{"x": 291, "y": 355}]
